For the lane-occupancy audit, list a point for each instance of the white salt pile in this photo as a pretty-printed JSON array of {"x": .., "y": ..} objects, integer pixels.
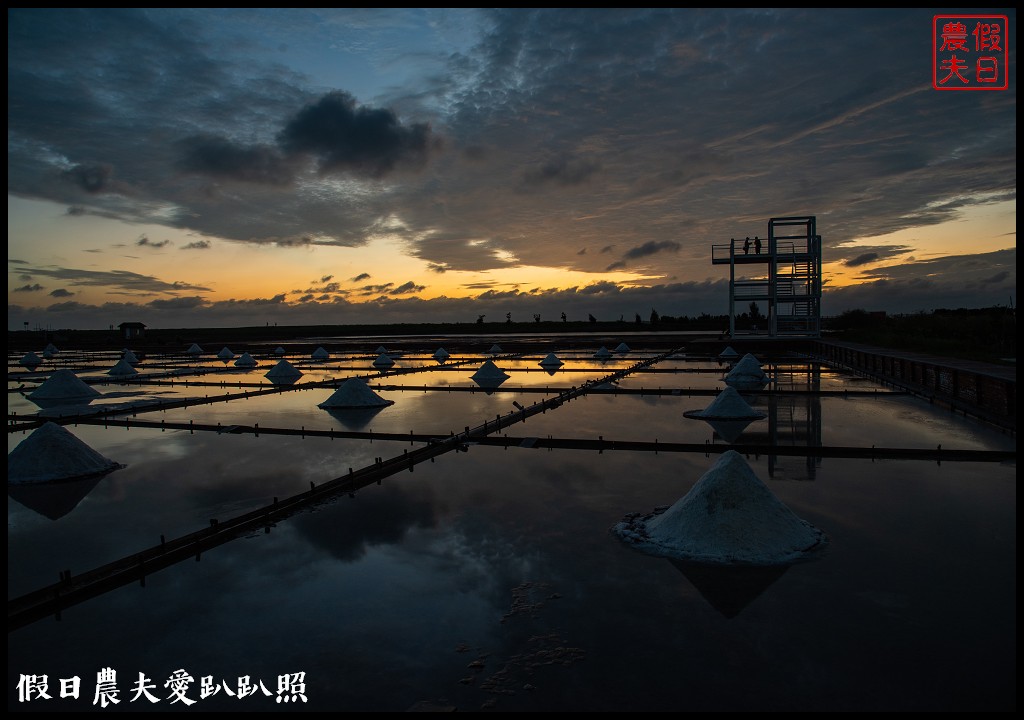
[
  {"x": 51, "y": 348},
  {"x": 489, "y": 375},
  {"x": 383, "y": 361},
  {"x": 747, "y": 374},
  {"x": 63, "y": 385},
  {"x": 729, "y": 405},
  {"x": 550, "y": 361},
  {"x": 603, "y": 353},
  {"x": 355, "y": 393},
  {"x": 441, "y": 354},
  {"x": 729, "y": 517},
  {"x": 194, "y": 350},
  {"x": 51, "y": 453},
  {"x": 495, "y": 348},
  {"x": 225, "y": 354},
  {"x": 622, "y": 348},
  {"x": 381, "y": 350},
  {"x": 246, "y": 361},
  {"x": 47, "y": 355},
  {"x": 320, "y": 354},
  {"x": 31, "y": 360},
  {"x": 728, "y": 353},
  {"x": 123, "y": 368},
  {"x": 130, "y": 357},
  {"x": 279, "y": 350},
  {"x": 283, "y": 373}
]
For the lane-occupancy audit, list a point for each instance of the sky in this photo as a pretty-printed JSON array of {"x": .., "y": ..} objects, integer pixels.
[{"x": 245, "y": 167}]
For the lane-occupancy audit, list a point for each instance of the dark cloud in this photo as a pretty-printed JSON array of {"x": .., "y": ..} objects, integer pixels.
[
  {"x": 617, "y": 265},
  {"x": 29, "y": 288},
  {"x": 69, "y": 306},
  {"x": 25, "y": 277},
  {"x": 361, "y": 276},
  {"x": 144, "y": 241},
  {"x": 61, "y": 292},
  {"x": 864, "y": 259},
  {"x": 405, "y": 288},
  {"x": 197, "y": 245},
  {"x": 652, "y": 248},
  {"x": 564, "y": 171},
  {"x": 582, "y": 251},
  {"x": 344, "y": 137},
  {"x": 221, "y": 158},
  {"x": 91, "y": 178},
  {"x": 115, "y": 280},
  {"x": 178, "y": 303},
  {"x": 439, "y": 268},
  {"x": 326, "y": 278},
  {"x": 607, "y": 249}
]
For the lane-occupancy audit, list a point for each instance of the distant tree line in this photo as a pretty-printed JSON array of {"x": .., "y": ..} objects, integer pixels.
[{"x": 988, "y": 334}]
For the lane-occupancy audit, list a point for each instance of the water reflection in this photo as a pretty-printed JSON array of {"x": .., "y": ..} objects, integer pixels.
[
  {"x": 729, "y": 589},
  {"x": 503, "y": 556}
]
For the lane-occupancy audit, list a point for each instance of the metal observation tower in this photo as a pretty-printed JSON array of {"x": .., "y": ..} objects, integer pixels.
[{"x": 775, "y": 282}]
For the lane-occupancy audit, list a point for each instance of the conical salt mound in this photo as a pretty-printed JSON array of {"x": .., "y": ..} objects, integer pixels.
[
  {"x": 63, "y": 385},
  {"x": 320, "y": 354},
  {"x": 355, "y": 393},
  {"x": 52, "y": 453},
  {"x": 31, "y": 360},
  {"x": 122, "y": 369},
  {"x": 47, "y": 355},
  {"x": 729, "y": 517},
  {"x": 194, "y": 350},
  {"x": 488, "y": 371},
  {"x": 728, "y": 353},
  {"x": 550, "y": 361},
  {"x": 383, "y": 361},
  {"x": 130, "y": 357},
  {"x": 381, "y": 350},
  {"x": 489, "y": 376},
  {"x": 51, "y": 348},
  {"x": 603, "y": 353},
  {"x": 441, "y": 354},
  {"x": 495, "y": 348},
  {"x": 729, "y": 405},
  {"x": 747, "y": 374},
  {"x": 225, "y": 354},
  {"x": 282, "y": 373},
  {"x": 246, "y": 361},
  {"x": 279, "y": 350},
  {"x": 622, "y": 348}
]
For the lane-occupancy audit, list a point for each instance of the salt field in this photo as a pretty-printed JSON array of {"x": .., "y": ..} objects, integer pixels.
[{"x": 440, "y": 534}]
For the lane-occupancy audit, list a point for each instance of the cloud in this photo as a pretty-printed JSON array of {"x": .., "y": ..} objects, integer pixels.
[
  {"x": 197, "y": 245},
  {"x": 326, "y": 278},
  {"x": 864, "y": 259},
  {"x": 652, "y": 248},
  {"x": 564, "y": 171},
  {"x": 617, "y": 265},
  {"x": 144, "y": 241},
  {"x": 405, "y": 288},
  {"x": 91, "y": 178},
  {"x": 29, "y": 288},
  {"x": 361, "y": 276},
  {"x": 221, "y": 158},
  {"x": 363, "y": 140},
  {"x": 61, "y": 292},
  {"x": 115, "y": 280},
  {"x": 178, "y": 303}
]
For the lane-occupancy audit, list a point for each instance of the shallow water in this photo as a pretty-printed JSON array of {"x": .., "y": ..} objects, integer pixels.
[{"x": 489, "y": 579}]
